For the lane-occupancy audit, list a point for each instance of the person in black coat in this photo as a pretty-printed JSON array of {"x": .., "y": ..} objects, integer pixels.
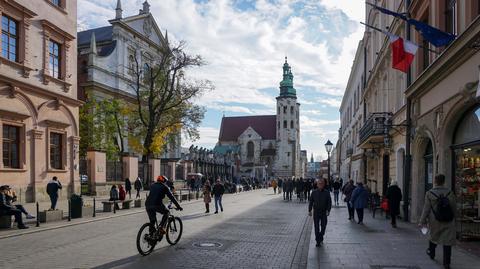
[
  {"x": 7, "y": 209},
  {"x": 218, "y": 191},
  {"x": 321, "y": 203},
  {"x": 128, "y": 187},
  {"x": 394, "y": 196},
  {"x": 52, "y": 190}
]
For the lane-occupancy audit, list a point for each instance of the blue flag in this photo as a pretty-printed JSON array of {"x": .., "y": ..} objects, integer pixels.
[{"x": 433, "y": 35}]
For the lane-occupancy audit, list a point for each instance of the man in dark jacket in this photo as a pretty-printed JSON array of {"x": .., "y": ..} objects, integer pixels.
[
  {"x": 321, "y": 203},
  {"x": 7, "y": 209},
  {"x": 138, "y": 186},
  {"x": 280, "y": 186},
  {"x": 347, "y": 192},
  {"x": 154, "y": 202},
  {"x": 218, "y": 191},
  {"x": 336, "y": 190},
  {"x": 52, "y": 190},
  {"x": 128, "y": 187},
  {"x": 394, "y": 196}
]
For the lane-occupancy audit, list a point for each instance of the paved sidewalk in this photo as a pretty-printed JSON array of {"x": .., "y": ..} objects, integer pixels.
[{"x": 376, "y": 245}]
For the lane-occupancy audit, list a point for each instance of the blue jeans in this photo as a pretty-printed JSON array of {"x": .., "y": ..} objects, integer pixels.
[
  {"x": 53, "y": 200},
  {"x": 218, "y": 200}
]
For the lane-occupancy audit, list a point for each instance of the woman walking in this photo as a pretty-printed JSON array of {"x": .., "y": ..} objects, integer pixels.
[
  {"x": 207, "y": 196},
  {"x": 359, "y": 200},
  {"x": 394, "y": 196}
]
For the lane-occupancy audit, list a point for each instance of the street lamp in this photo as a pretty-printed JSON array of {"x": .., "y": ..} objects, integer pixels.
[{"x": 328, "y": 147}]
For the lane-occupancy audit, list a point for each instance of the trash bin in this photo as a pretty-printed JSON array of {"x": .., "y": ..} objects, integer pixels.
[{"x": 76, "y": 203}]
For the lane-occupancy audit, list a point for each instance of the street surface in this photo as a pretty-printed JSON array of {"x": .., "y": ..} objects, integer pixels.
[{"x": 256, "y": 230}]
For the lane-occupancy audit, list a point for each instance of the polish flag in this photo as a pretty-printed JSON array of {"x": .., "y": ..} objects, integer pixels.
[
  {"x": 403, "y": 52},
  {"x": 478, "y": 85}
]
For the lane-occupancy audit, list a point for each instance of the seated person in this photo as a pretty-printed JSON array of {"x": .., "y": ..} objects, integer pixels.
[
  {"x": 114, "y": 196},
  {"x": 12, "y": 198},
  {"x": 8, "y": 210}
]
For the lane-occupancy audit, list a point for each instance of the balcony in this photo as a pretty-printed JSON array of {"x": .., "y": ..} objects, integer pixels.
[{"x": 374, "y": 129}]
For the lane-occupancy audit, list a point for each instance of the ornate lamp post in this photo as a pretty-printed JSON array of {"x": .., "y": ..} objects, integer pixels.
[{"x": 328, "y": 147}]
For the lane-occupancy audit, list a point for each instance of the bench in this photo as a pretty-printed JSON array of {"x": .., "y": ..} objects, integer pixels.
[
  {"x": 126, "y": 203},
  {"x": 138, "y": 203},
  {"x": 50, "y": 215},
  {"x": 5, "y": 222},
  {"x": 108, "y": 205}
]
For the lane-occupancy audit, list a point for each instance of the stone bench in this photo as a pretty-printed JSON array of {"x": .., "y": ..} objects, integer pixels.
[
  {"x": 50, "y": 215},
  {"x": 5, "y": 222},
  {"x": 138, "y": 203},
  {"x": 126, "y": 204},
  {"x": 108, "y": 205}
]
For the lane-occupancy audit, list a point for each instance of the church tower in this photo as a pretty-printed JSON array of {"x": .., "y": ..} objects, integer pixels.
[{"x": 287, "y": 161}]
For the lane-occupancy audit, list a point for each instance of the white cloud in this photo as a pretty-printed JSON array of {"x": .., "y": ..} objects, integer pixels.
[
  {"x": 333, "y": 102},
  {"x": 208, "y": 138}
]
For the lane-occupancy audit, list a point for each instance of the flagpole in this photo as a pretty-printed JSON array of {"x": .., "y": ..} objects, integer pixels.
[
  {"x": 407, "y": 172},
  {"x": 383, "y": 32}
]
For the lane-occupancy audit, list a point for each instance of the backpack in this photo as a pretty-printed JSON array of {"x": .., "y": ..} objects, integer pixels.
[{"x": 444, "y": 211}]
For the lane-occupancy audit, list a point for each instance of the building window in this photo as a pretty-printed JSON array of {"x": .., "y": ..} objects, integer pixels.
[
  {"x": 131, "y": 64},
  {"x": 278, "y": 110},
  {"x": 292, "y": 125},
  {"x": 56, "y": 150},
  {"x": 284, "y": 110},
  {"x": 278, "y": 125},
  {"x": 54, "y": 59},
  {"x": 11, "y": 146},
  {"x": 450, "y": 16},
  {"x": 291, "y": 110},
  {"x": 9, "y": 39},
  {"x": 285, "y": 124},
  {"x": 56, "y": 2},
  {"x": 250, "y": 149}
]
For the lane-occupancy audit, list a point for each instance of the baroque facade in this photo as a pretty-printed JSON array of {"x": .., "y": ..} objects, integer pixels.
[
  {"x": 434, "y": 108},
  {"x": 268, "y": 146},
  {"x": 38, "y": 97}
]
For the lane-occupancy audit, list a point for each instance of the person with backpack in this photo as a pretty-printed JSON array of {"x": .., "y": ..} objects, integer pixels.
[{"x": 439, "y": 213}]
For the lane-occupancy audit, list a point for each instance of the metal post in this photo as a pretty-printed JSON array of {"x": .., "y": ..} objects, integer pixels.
[
  {"x": 408, "y": 157},
  {"x": 180, "y": 195},
  {"x": 188, "y": 194},
  {"x": 38, "y": 220},
  {"x": 328, "y": 169},
  {"x": 94, "y": 207},
  {"x": 69, "y": 211},
  {"x": 114, "y": 206}
]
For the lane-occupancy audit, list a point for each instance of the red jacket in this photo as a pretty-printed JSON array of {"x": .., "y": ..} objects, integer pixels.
[{"x": 122, "y": 194}]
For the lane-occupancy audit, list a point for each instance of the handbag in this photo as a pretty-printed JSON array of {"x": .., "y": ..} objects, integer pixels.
[{"x": 384, "y": 204}]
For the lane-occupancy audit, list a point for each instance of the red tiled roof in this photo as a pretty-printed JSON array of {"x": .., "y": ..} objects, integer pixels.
[{"x": 233, "y": 127}]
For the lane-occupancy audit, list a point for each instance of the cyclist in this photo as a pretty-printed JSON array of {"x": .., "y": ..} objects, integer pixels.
[
  {"x": 171, "y": 186},
  {"x": 154, "y": 202}
]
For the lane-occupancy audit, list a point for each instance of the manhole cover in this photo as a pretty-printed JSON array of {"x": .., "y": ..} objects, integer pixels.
[
  {"x": 394, "y": 267},
  {"x": 207, "y": 245}
]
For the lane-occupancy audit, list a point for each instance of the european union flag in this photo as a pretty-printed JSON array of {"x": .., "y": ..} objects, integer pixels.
[{"x": 431, "y": 34}]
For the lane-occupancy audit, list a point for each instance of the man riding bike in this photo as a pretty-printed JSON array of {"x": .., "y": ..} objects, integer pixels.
[{"x": 154, "y": 202}]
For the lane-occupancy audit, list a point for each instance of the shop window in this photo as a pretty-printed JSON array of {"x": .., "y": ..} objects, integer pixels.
[
  {"x": 11, "y": 146},
  {"x": 56, "y": 150},
  {"x": 9, "y": 39},
  {"x": 54, "y": 59}
]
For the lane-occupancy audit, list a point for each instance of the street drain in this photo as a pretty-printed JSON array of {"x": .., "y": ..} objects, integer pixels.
[
  {"x": 393, "y": 267},
  {"x": 207, "y": 245}
]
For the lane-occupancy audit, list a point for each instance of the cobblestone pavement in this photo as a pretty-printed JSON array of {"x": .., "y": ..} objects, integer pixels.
[
  {"x": 257, "y": 230},
  {"x": 376, "y": 245}
]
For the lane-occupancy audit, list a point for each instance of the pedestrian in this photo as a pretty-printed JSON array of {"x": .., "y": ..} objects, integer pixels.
[
  {"x": 122, "y": 194},
  {"x": 128, "y": 187},
  {"x": 321, "y": 203},
  {"x": 274, "y": 186},
  {"x": 52, "y": 190},
  {"x": 114, "y": 196},
  {"x": 218, "y": 190},
  {"x": 11, "y": 198},
  {"x": 207, "y": 196},
  {"x": 9, "y": 210},
  {"x": 336, "y": 191},
  {"x": 289, "y": 189},
  {"x": 359, "y": 200},
  {"x": 439, "y": 212},
  {"x": 347, "y": 192},
  {"x": 138, "y": 186},
  {"x": 394, "y": 196},
  {"x": 280, "y": 185}
]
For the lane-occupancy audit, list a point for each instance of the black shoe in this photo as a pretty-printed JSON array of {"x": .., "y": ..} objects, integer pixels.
[
  {"x": 431, "y": 255},
  {"x": 360, "y": 222},
  {"x": 394, "y": 225},
  {"x": 221, "y": 209},
  {"x": 22, "y": 227},
  {"x": 318, "y": 245},
  {"x": 446, "y": 266},
  {"x": 216, "y": 212}
]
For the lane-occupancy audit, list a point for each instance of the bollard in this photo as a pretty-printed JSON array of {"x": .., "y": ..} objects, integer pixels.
[
  {"x": 180, "y": 195},
  {"x": 69, "y": 211},
  {"x": 114, "y": 207},
  {"x": 94, "y": 207},
  {"x": 188, "y": 194},
  {"x": 38, "y": 221}
]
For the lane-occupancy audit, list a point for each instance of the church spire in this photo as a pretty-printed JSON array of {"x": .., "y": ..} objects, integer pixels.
[
  {"x": 118, "y": 10},
  {"x": 286, "y": 85},
  {"x": 93, "y": 44}
]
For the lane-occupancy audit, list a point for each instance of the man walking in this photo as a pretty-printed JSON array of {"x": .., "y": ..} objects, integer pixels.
[
  {"x": 128, "y": 187},
  {"x": 138, "y": 186},
  {"x": 280, "y": 186},
  {"x": 52, "y": 190},
  {"x": 394, "y": 196},
  {"x": 218, "y": 190},
  {"x": 321, "y": 203},
  {"x": 347, "y": 192},
  {"x": 336, "y": 191},
  {"x": 439, "y": 209},
  {"x": 359, "y": 200}
]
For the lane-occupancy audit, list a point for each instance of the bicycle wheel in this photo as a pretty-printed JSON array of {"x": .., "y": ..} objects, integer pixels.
[
  {"x": 145, "y": 241},
  {"x": 174, "y": 230}
]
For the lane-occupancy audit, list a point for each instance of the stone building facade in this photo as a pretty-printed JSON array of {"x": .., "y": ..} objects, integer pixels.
[
  {"x": 268, "y": 146},
  {"x": 38, "y": 97}
]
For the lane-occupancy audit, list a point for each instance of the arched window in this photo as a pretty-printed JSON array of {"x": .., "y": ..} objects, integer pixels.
[
  {"x": 285, "y": 124},
  {"x": 285, "y": 110},
  {"x": 428, "y": 158},
  {"x": 250, "y": 149},
  {"x": 291, "y": 125}
]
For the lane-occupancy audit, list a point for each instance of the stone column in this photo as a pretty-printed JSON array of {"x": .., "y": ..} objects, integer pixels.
[
  {"x": 173, "y": 170},
  {"x": 156, "y": 170},
  {"x": 74, "y": 183},
  {"x": 130, "y": 167},
  {"x": 98, "y": 174},
  {"x": 37, "y": 166}
]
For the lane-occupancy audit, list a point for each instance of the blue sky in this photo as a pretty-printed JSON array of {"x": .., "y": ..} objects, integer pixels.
[{"x": 245, "y": 42}]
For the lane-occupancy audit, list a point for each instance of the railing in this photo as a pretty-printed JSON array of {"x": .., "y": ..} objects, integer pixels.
[
  {"x": 375, "y": 125},
  {"x": 114, "y": 171}
]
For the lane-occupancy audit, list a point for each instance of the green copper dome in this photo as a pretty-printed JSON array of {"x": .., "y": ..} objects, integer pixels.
[{"x": 286, "y": 85}]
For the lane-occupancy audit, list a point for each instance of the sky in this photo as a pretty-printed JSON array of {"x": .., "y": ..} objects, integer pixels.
[{"x": 245, "y": 43}]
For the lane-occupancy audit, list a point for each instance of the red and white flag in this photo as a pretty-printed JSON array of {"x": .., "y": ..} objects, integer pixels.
[{"x": 403, "y": 52}]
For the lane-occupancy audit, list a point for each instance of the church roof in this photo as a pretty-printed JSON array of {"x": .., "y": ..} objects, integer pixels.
[
  {"x": 102, "y": 34},
  {"x": 233, "y": 127}
]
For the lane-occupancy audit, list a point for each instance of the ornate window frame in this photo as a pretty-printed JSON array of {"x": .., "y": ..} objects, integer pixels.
[
  {"x": 52, "y": 32},
  {"x": 62, "y": 7},
  {"x": 57, "y": 128},
  {"x": 22, "y": 15},
  {"x": 16, "y": 120}
]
